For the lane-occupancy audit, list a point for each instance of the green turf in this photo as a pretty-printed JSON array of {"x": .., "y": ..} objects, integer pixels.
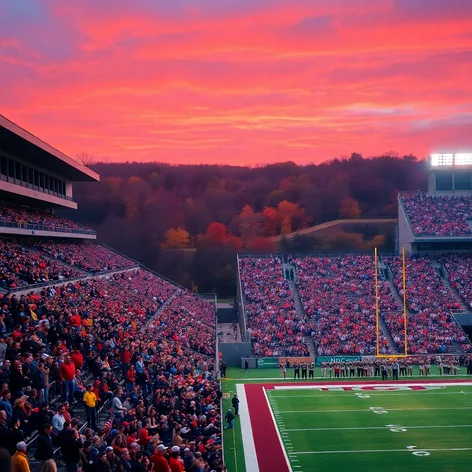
[
  {"x": 442, "y": 461},
  {"x": 317, "y": 426}
]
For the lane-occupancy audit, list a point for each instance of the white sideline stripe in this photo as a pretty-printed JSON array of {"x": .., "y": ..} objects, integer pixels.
[
  {"x": 249, "y": 447},
  {"x": 382, "y": 427},
  {"x": 368, "y": 392},
  {"x": 359, "y": 385},
  {"x": 370, "y": 411},
  {"x": 327, "y": 379},
  {"x": 287, "y": 460},
  {"x": 382, "y": 450}
]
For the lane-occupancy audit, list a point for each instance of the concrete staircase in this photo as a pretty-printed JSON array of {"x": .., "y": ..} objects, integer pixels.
[
  {"x": 392, "y": 347},
  {"x": 311, "y": 345}
]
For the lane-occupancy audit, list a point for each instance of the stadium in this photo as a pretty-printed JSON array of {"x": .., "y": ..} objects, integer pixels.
[{"x": 323, "y": 360}]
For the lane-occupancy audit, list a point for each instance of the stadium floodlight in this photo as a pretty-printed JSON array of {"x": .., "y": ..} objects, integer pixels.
[
  {"x": 463, "y": 159},
  {"x": 442, "y": 159},
  {"x": 450, "y": 159}
]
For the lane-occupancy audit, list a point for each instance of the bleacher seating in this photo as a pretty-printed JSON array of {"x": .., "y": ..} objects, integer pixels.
[
  {"x": 430, "y": 303},
  {"x": 459, "y": 267},
  {"x": 338, "y": 295},
  {"x": 439, "y": 215},
  {"x": 89, "y": 257},
  {"x": 29, "y": 218},
  {"x": 105, "y": 323},
  {"x": 270, "y": 311},
  {"x": 20, "y": 267}
]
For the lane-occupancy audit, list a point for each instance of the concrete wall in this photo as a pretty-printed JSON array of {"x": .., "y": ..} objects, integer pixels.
[
  {"x": 232, "y": 352},
  {"x": 405, "y": 234},
  {"x": 51, "y": 234}
]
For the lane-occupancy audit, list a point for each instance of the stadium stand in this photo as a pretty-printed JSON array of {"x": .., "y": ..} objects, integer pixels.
[
  {"x": 272, "y": 321},
  {"x": 459, "y": 268},
  {"x": 438, "y": 215},
  {"x": 12, "y": 215},
  {"x": 79, "y": 317},
  {"x": 21, "y": 267},
  {"x": 431, "y": 326},
  {"x": 88, "y": 257},
  {"x": 338, "y": 295}
]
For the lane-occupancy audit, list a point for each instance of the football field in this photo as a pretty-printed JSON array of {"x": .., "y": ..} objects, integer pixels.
[
  {"x": 414, "y": 424},
  {"x": 412, "y": 430}
]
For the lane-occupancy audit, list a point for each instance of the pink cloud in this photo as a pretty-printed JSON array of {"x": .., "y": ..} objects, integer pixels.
[{"x": 237, "y": 82}]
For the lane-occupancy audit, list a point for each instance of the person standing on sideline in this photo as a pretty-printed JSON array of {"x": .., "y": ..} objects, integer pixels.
[
  {"x": 395, "y": 368},
  {"x": 304, "y": 371},
  {"x": 230, "y": 418},
  {"x": 235, "y": 403},
  {"x": 283, "y": 370},
  {"x": 19, "y": 461},
  {"x": 90, "y": 402},
  {"x": 296, "y": 370},
  {"x": 311, "y": 371},
  {"x": 223, "y": 369},
  {"x": 246, "y": 366},
  {"x": 384, "y": 372}
]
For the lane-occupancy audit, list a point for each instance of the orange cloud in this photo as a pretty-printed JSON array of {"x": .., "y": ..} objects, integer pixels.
[{"x": 239, "y": 82}]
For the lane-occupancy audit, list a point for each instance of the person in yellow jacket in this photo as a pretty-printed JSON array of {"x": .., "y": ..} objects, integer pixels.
[{"x": 19, "y": 461}]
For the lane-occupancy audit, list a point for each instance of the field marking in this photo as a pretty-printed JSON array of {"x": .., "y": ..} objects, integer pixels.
[
  {"x": 366, "y": 451},
  {"x": 340, "y": 385},
  {"x": 249, "y": 447},
  {"x": 370, "y": 411},
  {"x": 379, "y": 427},
  {"x": 277, "y": 430},
  {"x": 382, "y": 394},
  {"x": 327, "y": 379}
]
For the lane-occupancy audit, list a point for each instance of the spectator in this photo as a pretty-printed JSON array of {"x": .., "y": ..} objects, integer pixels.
[
  {"x": 20, "y": 459},
  {"x": 44, "y": 450}
]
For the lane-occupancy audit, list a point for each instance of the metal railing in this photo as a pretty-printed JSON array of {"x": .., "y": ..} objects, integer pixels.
[{"x": 53, "y": 229}]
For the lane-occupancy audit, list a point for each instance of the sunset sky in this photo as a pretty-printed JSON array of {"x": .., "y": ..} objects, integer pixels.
[{"x": 239, "y": 81}]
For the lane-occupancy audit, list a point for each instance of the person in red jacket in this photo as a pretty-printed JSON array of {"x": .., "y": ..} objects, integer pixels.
[
  {"x": 144, "y": 437},
  {"x": 175, "y": 462},
  {"x": 126, "y": 356},
  {"x": 159, "y": 461},
  {"x": 77, "y": 358},
  {"x": 67, "y": 374},
  {"x": 130, "y": 378}
]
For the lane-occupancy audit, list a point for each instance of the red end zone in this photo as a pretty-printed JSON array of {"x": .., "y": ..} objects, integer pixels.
[{"x": 269, "y": 450}]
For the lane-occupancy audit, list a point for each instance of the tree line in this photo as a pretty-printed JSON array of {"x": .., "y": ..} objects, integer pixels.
[{"x": 176, "y": 219}]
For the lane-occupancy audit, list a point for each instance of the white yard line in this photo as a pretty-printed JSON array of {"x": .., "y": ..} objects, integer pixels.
[
  {"x": 380, "y": 427},
  {"x": 383, "y": 394},
  {"x": 381, "y": 450},
  {"x": 284, "y": 412},
  {"x": 328, "y": 379},
  {"x": 379, "y": 384},
  {"x": 250, "y": 456},
  {"x": 277, "y": 430}
]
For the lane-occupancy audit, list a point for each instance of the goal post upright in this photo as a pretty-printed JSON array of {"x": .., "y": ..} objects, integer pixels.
[
  {"x": 404, "y": 301},
  {"x": 376, "y": 302}
]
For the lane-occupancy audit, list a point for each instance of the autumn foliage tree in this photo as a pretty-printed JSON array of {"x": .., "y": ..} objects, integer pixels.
[{"x": 177, "y": 238}]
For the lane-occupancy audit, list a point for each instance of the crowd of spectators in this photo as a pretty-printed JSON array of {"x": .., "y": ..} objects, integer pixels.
[
  {"x": 90, "y": 335},
  {"x": 89, "y": 257},
  {"x": 190, "y": 321},
  {"x": 430, "y": 325},
  {"x": 338, "y": 296},
  {"x": 20, "y": 267},
  {"x": 272, "y": 321},
  {"x": 27, "y": 217},
  {"x": 439, "y": 215},
  {"x": 459, "y": 268}
]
